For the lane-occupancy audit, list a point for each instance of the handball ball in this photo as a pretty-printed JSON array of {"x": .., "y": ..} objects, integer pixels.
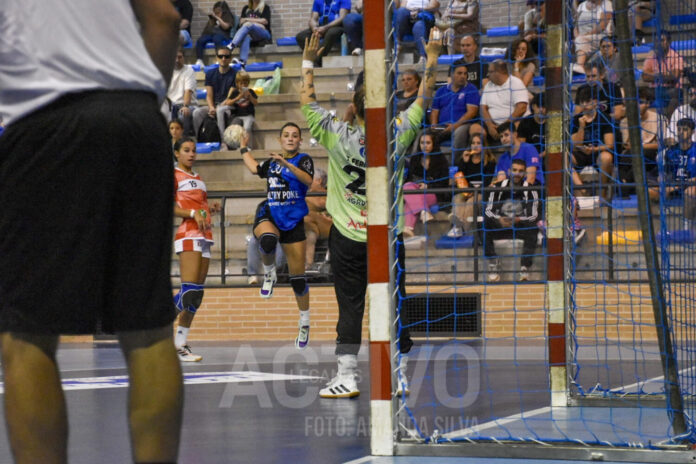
[{"x": 233, "y": 136}]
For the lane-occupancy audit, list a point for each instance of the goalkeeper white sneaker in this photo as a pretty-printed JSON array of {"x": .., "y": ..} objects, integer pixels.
[
  {"x": 402, "y": 388},
  {"x": 269, "y": 280},
  {"x": 302, "y": 339},
  {"x": 341, "y": 386},
  {"x": 185, "y": 354}
]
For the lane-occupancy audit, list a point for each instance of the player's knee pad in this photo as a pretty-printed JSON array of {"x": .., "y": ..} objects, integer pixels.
[
  {"x": 268, "y": 243},
  {"x": 299, "y": 285},
  {"x": 191, "y": 296}
]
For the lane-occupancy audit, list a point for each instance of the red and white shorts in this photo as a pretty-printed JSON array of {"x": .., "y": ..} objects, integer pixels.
[{"x": 193, "y": 244}]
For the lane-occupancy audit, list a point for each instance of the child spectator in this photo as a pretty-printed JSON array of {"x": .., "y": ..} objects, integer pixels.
[
  {"x": 217, "y": 30},
  {"x": 242, "y": 101}
]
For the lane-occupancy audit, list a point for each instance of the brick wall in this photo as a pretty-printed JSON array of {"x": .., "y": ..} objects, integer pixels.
[
  {"x": 508, "y": 310},
  {"x": 291, "y": 16}
]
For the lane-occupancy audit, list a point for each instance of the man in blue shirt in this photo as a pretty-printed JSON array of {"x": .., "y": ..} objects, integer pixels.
[
  {"x": 218, "y": 82},
  {"x": 455, "y": 109},
  {"x": 680, "y": 168},
  {"x": 327, "y": 21},
  {"x": 517, "y": 150}
]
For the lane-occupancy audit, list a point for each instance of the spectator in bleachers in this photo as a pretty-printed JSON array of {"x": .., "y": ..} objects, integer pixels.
[
  {"x": 415, "y": 17},
  {"x": 427, "y": 169},
  {"x": 609, "y": 94},
  {"x": 533, "y": 26},
  {"x": 533, "y": 129},
  {"x": 455, "y": 109},
  {"x": 504, "y": 99},
  {"x": 687, "y": 110},
  {"x": 516, "y": 149},
  {"x": 182, "y": 93},
  {"x": 410, "y": 82},
  {"x": 652, "y": 125},
  {"x": 218, "y": 29},
  {"x": 512, "y": 213},
  {"x": 185, "y": 10},
  {"x": 242, "y": 101},
  {"x": 663, "y": 69},
  {"x": 176, "y": 131},
  {"x": 327, "y": 21},
  {"x": 353, "y": 24},
  {"x": 592, "y": 139},
  {"x": 522, "y": 61},
  {"x": 460, "y": 17},
  {"x": 218, "y": 82},
  {"x": 317, "y": 222},
  {"x": 608, "y": 58},
  {"x": 639, "y": 12},
  {"x": 593, "y": 21},
  {"x": 475, "y": 168},
  {"x": 680, "y": 169},
  {"x": 478, "y": 71},
  {"x": 254, "y": 27}
]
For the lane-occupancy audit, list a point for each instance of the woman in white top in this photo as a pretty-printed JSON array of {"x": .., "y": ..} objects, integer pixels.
[
  {"x": 522, "y": 61},
  {"x": 592, "y": 22}
]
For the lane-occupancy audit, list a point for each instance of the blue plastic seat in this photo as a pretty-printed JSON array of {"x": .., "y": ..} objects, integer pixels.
[
  {"x": 640, "y": 49},
  {"x": 201, "y": 94},
  {"x": 465, "y": 241},
  {"x": 209, "y": 67},
  {"x": 286, "y": 41},
  {"x": 212, "y": 44},
  {"x": 539, "y": 81},
  {"x": 677, "y": 236},
  {"x": 503, "y": 31},
  {"x": 207, "y": 147},
  {"x": 448, "y": 59},
  {"x": 681, "y": 45},
  {"x": 625, "y": 203},
  {"x": 491, "y": 58},
  {"x": 196, "y": 67},
  {"x": 270, "y": 66},
  {"x": 676, "y": 20}
]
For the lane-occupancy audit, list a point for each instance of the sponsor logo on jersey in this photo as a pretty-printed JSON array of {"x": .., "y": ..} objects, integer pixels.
[
  {"x": 355, "y": 200},
  {"x": 356, "y": 225}
]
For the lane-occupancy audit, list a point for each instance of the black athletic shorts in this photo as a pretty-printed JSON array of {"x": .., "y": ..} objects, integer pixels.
[
  {"x": 87, "y": 188},
  {"x": 296, "y": 234}
]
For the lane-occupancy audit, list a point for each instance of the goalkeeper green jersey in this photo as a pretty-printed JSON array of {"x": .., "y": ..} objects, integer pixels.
[{"x": 346, "y": 201}]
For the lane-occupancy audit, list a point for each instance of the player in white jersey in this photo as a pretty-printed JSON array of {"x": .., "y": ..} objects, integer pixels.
[{"x": 85, "y": 233}]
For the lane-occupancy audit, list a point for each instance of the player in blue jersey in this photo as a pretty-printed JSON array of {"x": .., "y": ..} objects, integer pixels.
[
  {"x": 280, "y": 217},
  {"x": 679, "y": 172}
]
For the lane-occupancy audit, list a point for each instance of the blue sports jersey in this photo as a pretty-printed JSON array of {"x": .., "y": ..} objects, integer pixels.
[
  {"x": 680, "y": 165},
  {"x": 286, "y": 194},
  {"x": 528, "y": 153}
]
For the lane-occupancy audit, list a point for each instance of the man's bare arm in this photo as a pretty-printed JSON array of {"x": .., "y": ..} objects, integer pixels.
[
  {"x": 160, "y": 30},
  {"x": 432, "y": 50},
  {"x": 310, "y": 53}
]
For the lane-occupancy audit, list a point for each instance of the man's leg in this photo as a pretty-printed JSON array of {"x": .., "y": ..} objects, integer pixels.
[
  {"x": 155, "y": 396},
  {"x": 529, "y": 240},
  {"x": 353, "y": 24},
  {"x": 402, "y": 23},
  {"x": 37, "y": 423},
  {"x": 332, "y": 36},
  {"x": 199, "y": 114},
  {"x": 302, "y": 36}
]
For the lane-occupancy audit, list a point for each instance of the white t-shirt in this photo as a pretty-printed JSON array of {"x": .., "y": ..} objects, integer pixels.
[
  {"x": 589, "y": 15},
  {"x": 49, "y": 49},
  {"x": 684, "y": 111},
  {"x": 182, "y": 80},
  {"x": 417, "y": 4},
  {"x": 501, "y": 99}
]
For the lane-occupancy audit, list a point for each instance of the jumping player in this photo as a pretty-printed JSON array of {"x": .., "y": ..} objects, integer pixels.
[
  {"x": 347, "y": 204},
  {"x": 280, "y": 217},
  {"x": 192, "y": 241}
]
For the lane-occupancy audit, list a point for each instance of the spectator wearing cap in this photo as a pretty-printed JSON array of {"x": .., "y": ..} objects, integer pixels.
[
  {"x": 504, "y": 98},
  {"x": 662, "y": 69}
]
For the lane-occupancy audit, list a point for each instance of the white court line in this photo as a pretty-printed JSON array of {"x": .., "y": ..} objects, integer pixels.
[
  {"x": 190, "y": 378},
  {"x": 496, "y": 423},
  {"x": 535, "y": 412},
  {"x": 361, "y": 460},
  {"x": 645, "y": 382}
]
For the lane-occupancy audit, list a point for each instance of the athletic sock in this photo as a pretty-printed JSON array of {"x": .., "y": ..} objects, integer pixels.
[
  {"x": 304, "y": 317},
  {"x": 180, "y": 337},
  {"x": 268, "y": 268}
]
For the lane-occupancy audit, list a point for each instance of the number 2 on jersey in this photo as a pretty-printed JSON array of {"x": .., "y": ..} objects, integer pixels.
[{"x": 358, "y": 185}]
